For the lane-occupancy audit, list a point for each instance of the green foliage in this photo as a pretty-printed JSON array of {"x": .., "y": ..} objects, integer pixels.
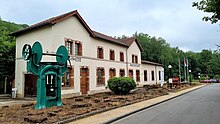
[
  {"x": 121, "y": 85},
  {"x": 7, "y": 50},
  {"x": 158, "y": 50},
  {"x": 209, "y": 6}
]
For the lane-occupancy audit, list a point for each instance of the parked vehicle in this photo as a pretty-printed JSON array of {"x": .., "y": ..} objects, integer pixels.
[
  {"x": 175, "y": 81},
  {"x": 213, "y": 80},
  {"x": 205, "y": 81}
]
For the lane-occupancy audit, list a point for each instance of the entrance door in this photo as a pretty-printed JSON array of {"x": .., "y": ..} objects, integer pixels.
[
  {"x": 84, "y": 81},
  {"x": 131, "y": 73},
  {"x": 137, "y": 75},
  {"x": 112, "y": 73},
  {"x": 30, "y": 85}
]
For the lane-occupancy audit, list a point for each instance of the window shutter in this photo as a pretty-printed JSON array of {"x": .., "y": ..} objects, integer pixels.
[
  {"x": 103, "y": 78},
  {"x": 97, "y": 77},
  {"x": 136, "y": 59},
  {"x": 102, "y": 53},
  {"x": 98, "y": 52},
  {"x": 71, "y": 78},
  {"x": 80, "y": 49},
  {"x": 113, "y": 55}
]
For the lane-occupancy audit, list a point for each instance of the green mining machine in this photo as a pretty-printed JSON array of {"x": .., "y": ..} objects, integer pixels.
[{"x": 48, "y": 73}]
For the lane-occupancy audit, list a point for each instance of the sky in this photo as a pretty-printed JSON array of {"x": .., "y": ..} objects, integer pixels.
[{"x": 176, "y": 21}]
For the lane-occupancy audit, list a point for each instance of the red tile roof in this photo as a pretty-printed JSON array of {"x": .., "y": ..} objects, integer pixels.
[
  {"x": 53, "y": 21},
  {"x": 108, "y": 38},
  {"x": 49, "y": 22},
  {"x": 129, "y": 41}
]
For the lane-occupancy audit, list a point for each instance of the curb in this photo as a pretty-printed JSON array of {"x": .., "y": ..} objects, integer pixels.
[{"x": 136, "y": 111}]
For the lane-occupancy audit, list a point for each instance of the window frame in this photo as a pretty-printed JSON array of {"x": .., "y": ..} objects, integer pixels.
[
  {"x": 100, "y": 52},
  {"x": 78, "y": 49},
  {"x": 121, "y": 73},
  {"x": 102, "y": 81},
  {"x": 122, "y": 56},
  {"x": 69, "y": 46},
  {"x": 112, "y": 54},
  {"x": 145, "y": 75},
  {"x": 152, "y": 75}
]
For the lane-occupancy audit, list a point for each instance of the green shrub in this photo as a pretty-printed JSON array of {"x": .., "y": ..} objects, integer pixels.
[{"x": 121, "y": 85}]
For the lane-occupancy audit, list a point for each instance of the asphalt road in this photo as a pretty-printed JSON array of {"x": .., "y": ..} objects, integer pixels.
[{"x": 201, "y": 106}]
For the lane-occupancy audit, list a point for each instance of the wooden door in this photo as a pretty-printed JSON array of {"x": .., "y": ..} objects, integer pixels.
[
  {"x": 112, "y": 73},
  {"x": 30, "y": 85},
  {"x": 131, "y": 73},
  {"x": 84, "y": 81},
  {"x": 137, "y": 75}
]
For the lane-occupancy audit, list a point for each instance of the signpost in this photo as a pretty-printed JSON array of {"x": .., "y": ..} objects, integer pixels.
[{"x": 48, "y": 73}]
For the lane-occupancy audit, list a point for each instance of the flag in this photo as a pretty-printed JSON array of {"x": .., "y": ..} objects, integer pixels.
[{"x": 185, "y": 62}]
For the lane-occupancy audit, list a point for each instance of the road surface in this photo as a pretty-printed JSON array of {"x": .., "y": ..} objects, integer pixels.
[{"x": 201, "y": 106}]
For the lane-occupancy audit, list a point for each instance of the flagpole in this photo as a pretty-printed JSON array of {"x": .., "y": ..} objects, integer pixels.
[
  {"x": 184, "y": 61},
  {"x": 179, "y": 70},
  {"x": 187, "y": 69}
]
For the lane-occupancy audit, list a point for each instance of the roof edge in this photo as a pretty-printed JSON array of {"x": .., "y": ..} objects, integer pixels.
[{"x": 151, "y": 63}]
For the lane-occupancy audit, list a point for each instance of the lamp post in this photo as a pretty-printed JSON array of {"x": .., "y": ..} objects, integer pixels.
[
  {"x": 170, "y": 76},
  {"x": 190, "y": 78}
]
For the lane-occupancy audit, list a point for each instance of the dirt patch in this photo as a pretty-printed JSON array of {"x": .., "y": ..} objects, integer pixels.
[{"x": 76, "y": 106}]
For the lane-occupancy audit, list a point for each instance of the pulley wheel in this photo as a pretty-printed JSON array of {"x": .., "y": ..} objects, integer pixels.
[
  {"x": 26, "y": 52},
  {"x": 62, "y": 55},
  {"x": 37, "y": 49}
]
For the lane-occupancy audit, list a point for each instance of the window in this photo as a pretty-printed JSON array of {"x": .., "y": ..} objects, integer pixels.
[
  {"x": 122, "y": 73},
  {"x": 78, "y": 49},
  {"x": 121, "y": 56},
  {"x": 159, "y": 75},
  {"x": 100, "y": 53},
  {"x": 68, "y": 78},
  {"x": 134, "y": 59},
  {"x": 145, "y": 75},
  {"x": 137, "y": 75},
  {"x": 73, "y": 47},
  {"x": 112, "y": 73},
  {"x": 131, "y": 73},
  {"x": 112, "y": 55},
  {"x": 152, "y": 75},
  {"x": 100, "y": 76},
  {"x": 69, "y": 46}
]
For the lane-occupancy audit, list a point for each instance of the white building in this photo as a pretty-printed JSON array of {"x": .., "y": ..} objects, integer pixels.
[{"x": 95, "y": 57}]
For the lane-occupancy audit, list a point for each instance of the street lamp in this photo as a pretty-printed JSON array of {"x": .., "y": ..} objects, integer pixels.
[
  {"x": 190, "y": 78},
  {"x": 170, "y": 76}
]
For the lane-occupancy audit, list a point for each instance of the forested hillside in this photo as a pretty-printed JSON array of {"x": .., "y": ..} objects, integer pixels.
[
  {"x": 205, "y": 63},
  {"x": 7, "y": 50}
]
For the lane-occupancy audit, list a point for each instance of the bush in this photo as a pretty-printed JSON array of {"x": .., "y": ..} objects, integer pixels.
[{"x": 121, "y": 85}]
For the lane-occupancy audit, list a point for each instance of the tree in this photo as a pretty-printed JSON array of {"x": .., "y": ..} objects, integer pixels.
[
  {"x": 7, "y": 50},
  {"x": 209, "y": 6}
]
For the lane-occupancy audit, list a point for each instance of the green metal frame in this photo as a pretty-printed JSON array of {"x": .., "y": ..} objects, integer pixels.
[{"x": 49, "y": 73}]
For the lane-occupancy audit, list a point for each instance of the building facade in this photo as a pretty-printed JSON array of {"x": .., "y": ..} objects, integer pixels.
[{"x": 95, "y": 57}]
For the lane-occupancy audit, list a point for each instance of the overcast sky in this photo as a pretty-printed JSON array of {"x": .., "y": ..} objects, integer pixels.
[{"x": 174, "y": 20}]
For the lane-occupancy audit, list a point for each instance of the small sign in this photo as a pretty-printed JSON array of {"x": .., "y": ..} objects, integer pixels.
[
  {"x": 170, "y": 80},
  {"x": 135, "y": 65},
  {"x": 162, "y": 78},
  {"x": 76, "y": 59}
]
